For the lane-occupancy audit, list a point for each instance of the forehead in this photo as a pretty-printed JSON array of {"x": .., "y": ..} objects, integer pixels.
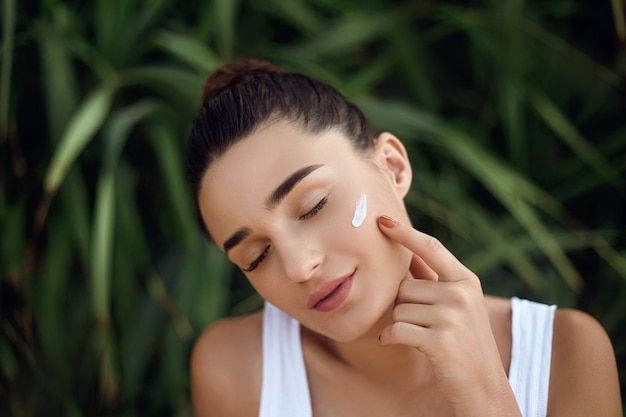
[{"x": 236, "y": 185}]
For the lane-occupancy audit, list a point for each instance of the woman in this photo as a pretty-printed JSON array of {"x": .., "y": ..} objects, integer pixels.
[{"x": 364, "y": 315}]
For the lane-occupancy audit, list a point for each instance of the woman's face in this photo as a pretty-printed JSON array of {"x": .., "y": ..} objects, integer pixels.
[{"x": 281, "y": 202}]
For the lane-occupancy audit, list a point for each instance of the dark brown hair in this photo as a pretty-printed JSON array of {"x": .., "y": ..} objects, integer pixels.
[{"x": 243, "y": 96}]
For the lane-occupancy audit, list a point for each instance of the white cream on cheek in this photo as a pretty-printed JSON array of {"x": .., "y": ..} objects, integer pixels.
[{"x": 360, "y": 211}]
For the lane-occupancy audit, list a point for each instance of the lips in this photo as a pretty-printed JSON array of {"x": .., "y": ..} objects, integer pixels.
[{"x": 331, "y": 295}]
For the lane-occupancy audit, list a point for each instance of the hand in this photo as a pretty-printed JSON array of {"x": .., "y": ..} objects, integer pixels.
[{"x": 441, "y": 312}]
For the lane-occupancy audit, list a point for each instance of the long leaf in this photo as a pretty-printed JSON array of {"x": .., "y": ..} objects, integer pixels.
[
  {"x": 620, "y": 19},
  {"x": 81, "y": 129},
  {"x": 189, "y": 50},
  {"x": 102, "y": 246},
  {"x": 51, "y": 292},
  {"x": 565, "y": 130},
  {"x": 350, "y": 33},
  {"x": 225, "y": 16},
  {"x": 170, "y": 159},
  {"x": 411, "y": 55},
  {"x": 297, "y": 12},
  {"x": 59, "y": 80},
  {"x": 461, "y": 215},
  {"x": 486, "y": 170},
  {"x": 183, "y": 88},
  {"x": 7, "y": 64},
  {"x": 104, "y": 220}
]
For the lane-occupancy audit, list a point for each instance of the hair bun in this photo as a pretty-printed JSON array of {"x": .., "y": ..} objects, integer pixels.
[{"x": 228, "y": 74}]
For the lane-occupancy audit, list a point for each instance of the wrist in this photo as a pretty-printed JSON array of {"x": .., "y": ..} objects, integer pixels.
[{"x": 496, "y": 401}]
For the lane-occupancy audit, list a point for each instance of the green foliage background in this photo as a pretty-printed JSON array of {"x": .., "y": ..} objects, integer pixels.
[{"x": 513, "y": 112}]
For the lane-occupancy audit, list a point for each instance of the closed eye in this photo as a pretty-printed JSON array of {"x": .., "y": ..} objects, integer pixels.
[
  {"x": 258, "y": 260},
  {"x": 315, "y": 209},
  {"x": 305, "y": 216}
]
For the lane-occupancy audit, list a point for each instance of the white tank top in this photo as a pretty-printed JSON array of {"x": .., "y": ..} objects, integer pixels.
[{"x": 285, "y": 389}]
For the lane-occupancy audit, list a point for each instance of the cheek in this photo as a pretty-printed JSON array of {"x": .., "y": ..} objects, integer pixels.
[
  {"x": 391, "y": 256},
  {"x": 360, "y": 211},
  {"x": 366, "y": 237}
]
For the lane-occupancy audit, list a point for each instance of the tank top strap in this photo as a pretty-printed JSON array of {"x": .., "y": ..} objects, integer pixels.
[
  {"x": 531, "y": 354},
  {"x": 285, "y": 388}
]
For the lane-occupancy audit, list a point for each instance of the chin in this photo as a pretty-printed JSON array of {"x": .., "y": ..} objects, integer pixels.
[{"x": 361, "y": 323}]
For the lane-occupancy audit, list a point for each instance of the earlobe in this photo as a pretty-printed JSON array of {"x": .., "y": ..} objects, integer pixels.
[{"x": 392, "y": 158}]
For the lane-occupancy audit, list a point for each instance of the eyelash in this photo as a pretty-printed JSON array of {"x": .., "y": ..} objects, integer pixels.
[
  {"x": 305, "y": 216},
  {"x": 315, "y": 209},
  {"x": 258, "y": 260}
]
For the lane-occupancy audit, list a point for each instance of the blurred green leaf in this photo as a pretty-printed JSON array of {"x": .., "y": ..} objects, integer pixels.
[
  {"x": 181, "y": 87},
  {"x": 51, "y": 297},
  {"x": 564, "y": 129},
  {"x": 189, "y": 50},
  {"x": 297, "y": 12},
  {"x": 504, "y": 188},
  {"x": 497, "y": 245},
  {"x": 8, "y": 361},
  {"x": 59, "y": 80},
  {"x": 13, "y": 239},
  {"x": 75, "y": 197},
  {"x": 102, "y": 236},
  {"x": 511, "y": 115},
  {"x": 210, "y": 299},
  {"x": 85, "y": 122},
  {"x": 346, "y": 35},
  {"x": 367, "y": 77},
  {"x": 171, "y": 165},
  {"x": 619, "y": 16},
  {"x": 116, "y": 135},
  {"x": 411, "y": 55},
  {"x": 8, "y": 18},
  {"x": 225, "y": 16}
]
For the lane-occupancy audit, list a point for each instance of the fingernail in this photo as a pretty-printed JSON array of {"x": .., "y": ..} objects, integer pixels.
[{"x": 387, "y": 221}]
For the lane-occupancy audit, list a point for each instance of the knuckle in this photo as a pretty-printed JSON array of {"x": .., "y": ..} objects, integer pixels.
[
  {"x": 397, "y": 330},
  {"x": 475, "y": 281},
  {"x": 459, "y": 296},
  {"x": 433, "y": 244}
]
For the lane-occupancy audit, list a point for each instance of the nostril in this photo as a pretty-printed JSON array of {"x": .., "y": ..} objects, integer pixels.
[
  {"x": 303, "y": 270},
  {"x": 300, "y": 257}
]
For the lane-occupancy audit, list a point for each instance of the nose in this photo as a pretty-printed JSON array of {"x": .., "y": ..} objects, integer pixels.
[{"x": 300, "y": 259}]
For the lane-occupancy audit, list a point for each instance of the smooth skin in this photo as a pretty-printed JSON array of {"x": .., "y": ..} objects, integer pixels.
[{"x": 416, "y": 336}]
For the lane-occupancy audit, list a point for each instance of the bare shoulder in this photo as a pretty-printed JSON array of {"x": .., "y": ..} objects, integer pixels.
[
  {"x": 584, "y": 379},
  {"x": 226, "y": 366},
  {"x": 583, "y": 374}
]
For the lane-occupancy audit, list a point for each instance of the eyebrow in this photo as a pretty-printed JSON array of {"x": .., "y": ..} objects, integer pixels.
[
  {"x": 272, "y": 201},
  {"x": 287, "y": 185},
  {"x": 235, "y": 238}
]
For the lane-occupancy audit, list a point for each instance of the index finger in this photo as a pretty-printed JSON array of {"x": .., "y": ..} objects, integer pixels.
[{"x": 427, "y": 247}]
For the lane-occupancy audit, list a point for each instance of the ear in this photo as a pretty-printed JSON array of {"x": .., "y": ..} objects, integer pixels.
[{"x": 393, "y": 160}]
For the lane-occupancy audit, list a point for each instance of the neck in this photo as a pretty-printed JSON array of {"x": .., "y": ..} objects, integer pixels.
[{"x": 389, "y": 364}]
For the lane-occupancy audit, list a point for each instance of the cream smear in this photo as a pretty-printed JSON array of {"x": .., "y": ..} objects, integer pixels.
[{"x": 360, "y": 211}]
